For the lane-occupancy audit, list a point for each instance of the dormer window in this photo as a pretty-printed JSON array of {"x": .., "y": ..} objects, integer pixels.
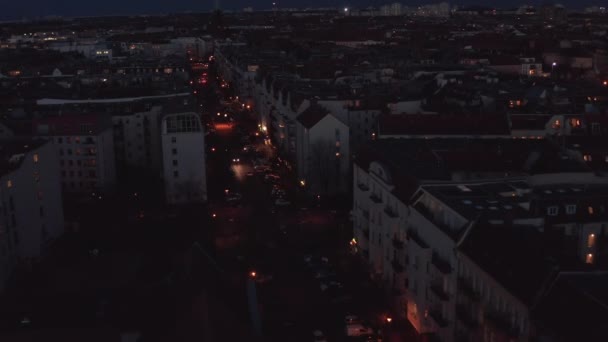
[
  {"x": 571, "y": 209},
  {"x": 552, "y": 211}
]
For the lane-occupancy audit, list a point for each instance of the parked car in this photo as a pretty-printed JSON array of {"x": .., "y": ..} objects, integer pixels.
[
  {"x": 354, "y": 330},
  {"x": 318, "y": 336},
  {"x": 282, "y": 202}
]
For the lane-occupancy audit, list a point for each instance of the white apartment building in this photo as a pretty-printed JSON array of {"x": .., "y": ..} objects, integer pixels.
[
  {"x": 31, "y": 210},
  {"x": 461, "y": 257},
  {"x": 137, "y": 139},
  {"x": 183, "y": 145},
  {"x": 323, "y": 154},
  {"x": 85, "y": 147}
]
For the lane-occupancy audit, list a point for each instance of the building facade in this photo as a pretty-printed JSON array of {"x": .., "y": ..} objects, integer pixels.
[
  {"x": 31, "y": 214},
  {"x": 183, "y": 145}
]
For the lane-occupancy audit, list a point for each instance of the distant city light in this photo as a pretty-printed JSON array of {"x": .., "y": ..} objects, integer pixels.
[{"x": 345, "y": 9}]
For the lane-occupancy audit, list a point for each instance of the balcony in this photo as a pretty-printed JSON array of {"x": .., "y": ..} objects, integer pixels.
[
  {"x": 365, "y": 233},
  {"x": 375, "y": 198},
  {"x": 441, "y": 294},
  {"x": 398, "y": 244},
  {"x": 365, "y": 214},
  {"x": 466, "y": 317},
  {"x": 362, "y": 187},
  {"x": 390, "y": 212},
  {"x": 412, "y": 235},
  {"x": 442, "y": 322},
  {"x": 502, "y": 322},
  {"x": 442, "y": 265},
  {"x": 397, "y": 267},
  {"x": 466, "y": 289}
]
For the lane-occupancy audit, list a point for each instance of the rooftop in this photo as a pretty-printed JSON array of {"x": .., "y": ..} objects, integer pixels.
[{"x": 12, "y": 151}]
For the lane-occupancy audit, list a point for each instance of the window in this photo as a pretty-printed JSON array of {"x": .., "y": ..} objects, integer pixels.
[
  {"x": 68, "y": 140},
  {"x": 174, "y": 151},
  {"x": 37, "y": 176},
  {"x": 60, "y": 151},
  {"x": 71, "y": 174},
  {"x": 39, "y": 195},
  {"x": 60, "y": 140},
  {"x": 587, "y": 157},
  {"x": 69, "y": 151},
  {"x": 552, "y": 211},
  {"x": 35, "y": 157},
  {"x": 590, "y": 210},
  {"x": 9, "y": 183},
  {"x": 70, "y": 162},
  {"x": 589, "y": 259},
  {"x": 41, "y": 211},
  {"x": 591, "y": 240},
  {"x": 79, "y": 162},
  {"x": 174, "y": 162},
  {"x": 92, "y": 173},
  {"x": 175, "y": 174},
  {"x": 173, "y": 139},
  {"x": 571, "y": 209}
]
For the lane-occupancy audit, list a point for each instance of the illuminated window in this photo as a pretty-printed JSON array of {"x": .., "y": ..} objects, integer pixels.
[
  {"x": 590, "y": 210},
  {"x": 9, "y": 183},
  {"x": 591, "y": 240},
  {"x": 589, "y": 259},
  {"x": 571, "y": 209},
  {"x": 575, "y": 123},
  {"x": 35, "y": 157},
  {"x": 557, "y": 124},
  {"x": 587, "y": 157}
]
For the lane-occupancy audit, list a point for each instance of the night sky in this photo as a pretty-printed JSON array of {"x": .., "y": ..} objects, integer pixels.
[{"x": 17, "y": 9}]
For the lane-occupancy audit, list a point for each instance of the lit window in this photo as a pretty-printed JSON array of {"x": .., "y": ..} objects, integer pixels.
[
  {"x": 590, "y": 210},
  {"x": 556, "y": 124},
  {"x": 571, "y": 209},
  {"x": 591, "y": 240},
  {"x": 552, "y": 211},
  {"x": 587, "y": 157},
  {"x": 589, "y": 259},
  {"x": 337, "y": 154},
  {"x": 9, "y": 183},
  {"x": 35, "y": 157}
]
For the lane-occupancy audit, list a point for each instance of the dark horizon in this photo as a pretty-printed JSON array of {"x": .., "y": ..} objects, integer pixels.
[{"x": 35, "y": 9}]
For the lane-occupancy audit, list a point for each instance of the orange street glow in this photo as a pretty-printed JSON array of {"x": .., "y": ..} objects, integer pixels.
[
  {"x": 252, "y": 274},
  {"x": 223, "y": 126}
]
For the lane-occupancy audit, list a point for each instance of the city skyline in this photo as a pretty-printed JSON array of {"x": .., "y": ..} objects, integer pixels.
[{"x": 32, "y": 9}]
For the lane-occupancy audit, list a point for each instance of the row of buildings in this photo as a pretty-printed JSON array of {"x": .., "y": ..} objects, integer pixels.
[
  {"x": 78, "y": 123},
  {"x": 474, "y": 152}
]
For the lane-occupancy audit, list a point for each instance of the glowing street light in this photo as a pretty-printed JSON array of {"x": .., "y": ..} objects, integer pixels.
[
  {"x": 389, "y": 319},
  {"x": 253, "y": 274}
]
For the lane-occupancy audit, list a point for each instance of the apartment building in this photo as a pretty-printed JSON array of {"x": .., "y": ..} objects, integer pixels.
[
  {"x": 31, "y": 210},
  {"x": 323, "y": 155},
  {"x": 85, "y": 148},
  {"x": 467, "y": 254},
  {"x": 183, "y": 145}
]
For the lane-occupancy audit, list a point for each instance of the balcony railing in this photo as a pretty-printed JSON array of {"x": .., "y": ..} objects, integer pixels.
[
  {"x": 442, "y": 265},
  {"x": 390, "y": 212},
  {"x": 502, "y": 322},
  {"x": 412, "y": 235},
  {"x": 438, "y": 290},
  {"x": 466, "y": 317},
  {"x": 437, "y": 317},
  {"x": 397, "y": 266},
  {"x": 398, "y": 244},
  {"x": 466, "y": 289},
  {"x": 375, "y": 198},
  {"x": 365, "y": 233},
  {"x": 362, "y": 187}
]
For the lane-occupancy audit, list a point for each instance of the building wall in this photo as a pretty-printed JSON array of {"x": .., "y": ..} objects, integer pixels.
[
  {"x": 32, "y": 210},
  {"x": 318, "y": 152},
  {"x": 184, "y": 161},
  {"x": 87, "y": 162}
]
